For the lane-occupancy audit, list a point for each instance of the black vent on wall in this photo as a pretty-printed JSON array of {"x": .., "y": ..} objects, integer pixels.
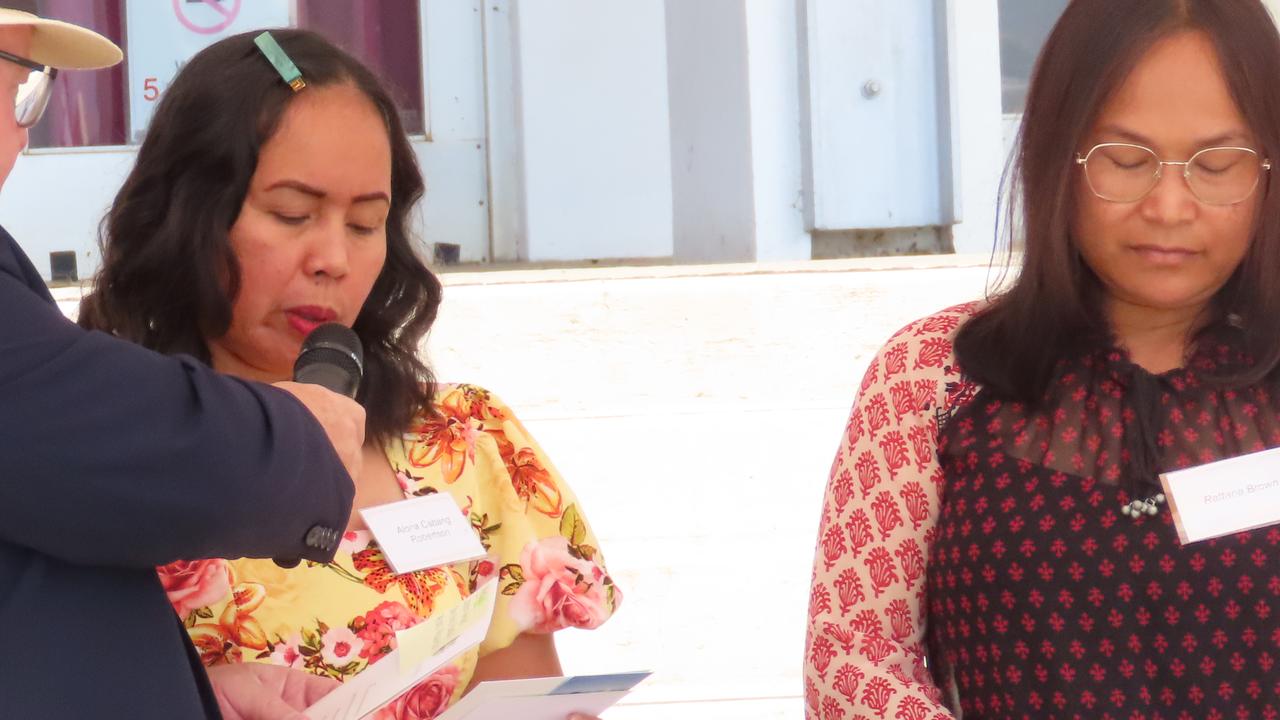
[
  {"x": 447, "y": 253},
  {"x": 62, "y": 267}
]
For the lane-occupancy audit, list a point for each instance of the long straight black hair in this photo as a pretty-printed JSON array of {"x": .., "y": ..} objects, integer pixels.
[
  {"x": 169, "y": 274},
  {"x": 1055, "y": 305}
]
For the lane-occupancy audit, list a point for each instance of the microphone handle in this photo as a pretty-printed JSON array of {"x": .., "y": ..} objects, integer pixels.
[{"x": 328, "y": 376}]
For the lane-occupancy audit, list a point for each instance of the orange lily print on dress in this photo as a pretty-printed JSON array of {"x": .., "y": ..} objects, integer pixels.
[
  {"x": 477, "y": 404},
  {"x": 235, "y": 629},
  {"x": 533, "y": 483},
  {"x": 419, "y": 588},
  {"x": 214, "y": 644},
  {"x": 448, "y": 439}
]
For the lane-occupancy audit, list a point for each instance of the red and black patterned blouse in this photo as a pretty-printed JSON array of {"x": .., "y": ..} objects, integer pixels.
[{"x": 1040, "y": 597}]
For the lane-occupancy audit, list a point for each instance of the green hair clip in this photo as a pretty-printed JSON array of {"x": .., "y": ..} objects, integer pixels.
[{"x": 280, "y": 61}]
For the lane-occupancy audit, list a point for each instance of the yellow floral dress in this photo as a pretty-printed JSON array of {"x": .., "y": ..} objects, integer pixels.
[{"x": 336, "y": 619}]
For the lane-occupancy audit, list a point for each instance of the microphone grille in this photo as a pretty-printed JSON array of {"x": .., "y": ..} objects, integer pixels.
[{"x": 335, "y": 344}]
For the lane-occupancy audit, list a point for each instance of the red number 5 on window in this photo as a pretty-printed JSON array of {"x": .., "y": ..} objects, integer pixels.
[{"x": 150, "y": 90}]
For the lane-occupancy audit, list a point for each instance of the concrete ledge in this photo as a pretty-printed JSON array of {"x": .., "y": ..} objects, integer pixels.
[{"x": 647, "y": 272}]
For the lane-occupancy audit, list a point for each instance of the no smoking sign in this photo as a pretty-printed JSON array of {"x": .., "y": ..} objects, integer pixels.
[{"x": 206, "y": 16}]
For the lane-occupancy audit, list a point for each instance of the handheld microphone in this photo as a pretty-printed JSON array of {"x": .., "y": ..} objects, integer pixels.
[{"x": 333, "y": 358}]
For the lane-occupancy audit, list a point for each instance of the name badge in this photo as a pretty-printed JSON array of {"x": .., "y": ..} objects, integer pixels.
[
  {"x": 1225, "y": 497},
  {"x": 422, "y": 532}
]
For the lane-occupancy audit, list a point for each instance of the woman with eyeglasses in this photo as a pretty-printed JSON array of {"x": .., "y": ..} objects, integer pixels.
[{"x": 996, "y": 540}]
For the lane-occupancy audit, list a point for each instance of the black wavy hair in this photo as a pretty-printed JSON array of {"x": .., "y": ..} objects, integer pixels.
[{"x": 169, "y": 275}]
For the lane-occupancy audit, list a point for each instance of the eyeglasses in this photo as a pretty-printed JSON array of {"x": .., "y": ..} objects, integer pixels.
[
  {"x": 34, "y": 92},
  {"x": 1125, "y": 173}
]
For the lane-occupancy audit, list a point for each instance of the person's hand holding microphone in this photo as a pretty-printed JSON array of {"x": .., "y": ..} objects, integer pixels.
[
  {"x": 341, "y": 417},
  {"x": 326, "y": 377}
]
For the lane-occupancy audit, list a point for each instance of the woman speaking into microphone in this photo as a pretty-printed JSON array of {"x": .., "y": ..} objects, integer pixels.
[{"x": 271, "y": 196}]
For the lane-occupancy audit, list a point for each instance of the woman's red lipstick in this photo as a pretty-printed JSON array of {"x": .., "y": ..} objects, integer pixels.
[{"x": 305, "y": 318}]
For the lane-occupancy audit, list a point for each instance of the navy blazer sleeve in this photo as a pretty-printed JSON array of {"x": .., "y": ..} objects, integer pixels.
[{"x": 113, "y": 455}]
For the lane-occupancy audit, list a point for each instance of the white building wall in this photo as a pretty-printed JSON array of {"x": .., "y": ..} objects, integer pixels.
[
  {"x": 53, "y": 202},
  {"x": 777, "y": 165},
  {"x": 453, "y": 153},
  {"x": 712, "y": 174},
  {"x": 507, "y": 238},
  {"x": 876, "y": 114},
  {"x": 979, "y": 124},
  {"x": 594, "y": 128},
  {"x": 734, "y": 84}
]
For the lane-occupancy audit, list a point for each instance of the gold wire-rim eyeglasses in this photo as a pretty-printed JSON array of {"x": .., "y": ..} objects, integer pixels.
[{"x": 1264, "y": 165}]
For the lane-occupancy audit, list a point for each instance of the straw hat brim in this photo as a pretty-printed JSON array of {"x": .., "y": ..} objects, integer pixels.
[{"x": 63, "y": 45}]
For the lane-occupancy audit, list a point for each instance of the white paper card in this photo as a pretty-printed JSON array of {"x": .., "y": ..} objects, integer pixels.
[
  {"x": 1225, "y": 497},
  {"x": 391, "y": 676},
  {"x": 423, "y": 532},
  {"x": 544, "y": 698},
  {"x": 433, "y": 635}
]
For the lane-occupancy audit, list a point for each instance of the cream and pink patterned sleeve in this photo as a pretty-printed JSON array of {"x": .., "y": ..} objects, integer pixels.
[{"x": 864, "y": 646}]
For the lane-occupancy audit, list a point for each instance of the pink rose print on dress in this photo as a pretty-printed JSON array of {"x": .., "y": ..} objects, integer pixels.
[
  {"x": 558, "y": 589},
  {"x": 193, "y": 584},
  {"x": 429, "y": 699}
]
